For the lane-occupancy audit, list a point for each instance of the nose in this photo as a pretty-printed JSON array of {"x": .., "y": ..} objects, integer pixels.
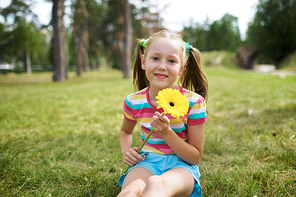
[{"x": 162, "y": 65}]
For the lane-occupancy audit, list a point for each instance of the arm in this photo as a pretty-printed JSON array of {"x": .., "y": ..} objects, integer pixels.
[
  {"x": 190, "y": 152},
  {"x": 131, "y": 157}
]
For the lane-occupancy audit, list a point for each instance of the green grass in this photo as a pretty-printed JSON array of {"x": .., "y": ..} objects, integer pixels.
[
  {"x": 62, "y": 138},
  {"x": 289, "y": 63}
]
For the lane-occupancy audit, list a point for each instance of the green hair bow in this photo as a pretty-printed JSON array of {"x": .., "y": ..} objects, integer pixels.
[{"x": 143, "y": 43}]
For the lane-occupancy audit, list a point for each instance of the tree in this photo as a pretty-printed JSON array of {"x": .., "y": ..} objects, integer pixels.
[
  {"x": 146, "y": 22},
  {"x": 96, "y": 12},
  {"x": 127, "y": 39},
  {"x": 60, "y": 51},
  {"x": 20, "y": 40},
  {"x": 223, "y": 34},
  {"x": 273, "y": 31},
  {"x": 80, "y": 34}
]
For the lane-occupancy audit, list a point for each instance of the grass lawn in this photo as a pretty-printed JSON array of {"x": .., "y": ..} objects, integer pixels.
[{"x": 61, "y": 139}]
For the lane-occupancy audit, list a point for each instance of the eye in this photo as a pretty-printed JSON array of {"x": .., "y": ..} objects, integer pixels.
[
  {"x": 172, "y": 61},
  {"x": 155, "y": 58}
]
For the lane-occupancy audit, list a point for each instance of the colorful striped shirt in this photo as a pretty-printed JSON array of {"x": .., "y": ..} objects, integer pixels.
[{"x": 138, "y": 108}]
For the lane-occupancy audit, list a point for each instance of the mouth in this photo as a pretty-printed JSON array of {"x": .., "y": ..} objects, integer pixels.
[{"x": 160, "y": 76}]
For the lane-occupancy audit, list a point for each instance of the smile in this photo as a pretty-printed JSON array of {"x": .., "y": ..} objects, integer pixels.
[{"x": 160, "y": 76}]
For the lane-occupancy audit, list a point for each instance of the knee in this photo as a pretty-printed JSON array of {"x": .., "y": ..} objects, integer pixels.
[{"x": 155, "y": 182}]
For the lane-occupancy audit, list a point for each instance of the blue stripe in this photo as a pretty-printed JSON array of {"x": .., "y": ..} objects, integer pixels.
[
  {"x": 191, "y": 104},
  {"x": 179, "y": 130},
  {"x": 137, "y": 106},
  {"x": 197, "y": 116},
  {"x": 153, "y": 142}
]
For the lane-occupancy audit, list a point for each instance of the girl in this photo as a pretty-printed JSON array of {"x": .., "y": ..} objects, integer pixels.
[{"x": 168, "y": 163}]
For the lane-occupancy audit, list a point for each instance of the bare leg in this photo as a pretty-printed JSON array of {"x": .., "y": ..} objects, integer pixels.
[
  {"x": 135, "y": 182},
  {"x": 175, "y": 182}
]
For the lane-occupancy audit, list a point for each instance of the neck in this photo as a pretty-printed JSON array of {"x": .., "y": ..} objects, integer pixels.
[{"x": 153, "y": 92}]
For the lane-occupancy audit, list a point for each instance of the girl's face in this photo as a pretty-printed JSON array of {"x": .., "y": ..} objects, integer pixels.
[{"x": 162, "y": 63}]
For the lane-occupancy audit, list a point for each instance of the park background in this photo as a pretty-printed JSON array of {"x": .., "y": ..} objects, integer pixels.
[{"x": 62, "y": 89}]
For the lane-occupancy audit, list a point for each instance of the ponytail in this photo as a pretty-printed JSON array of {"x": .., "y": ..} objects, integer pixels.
[
  {"x": 140, "y": 80},
  {"x": 193, "y": 78}
]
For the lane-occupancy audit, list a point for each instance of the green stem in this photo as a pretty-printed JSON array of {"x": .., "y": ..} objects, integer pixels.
[
  {"x": 148, "y": 136},
  {"x": 139, "y": 150}
]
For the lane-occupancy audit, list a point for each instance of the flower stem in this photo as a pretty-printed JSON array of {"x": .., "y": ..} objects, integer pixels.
[
  {"x": 142, "y": 145},
  {"x": 148, "y": 136}
]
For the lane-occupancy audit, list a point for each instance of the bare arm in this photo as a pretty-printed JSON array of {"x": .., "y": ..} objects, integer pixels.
[
  {"x": 131, "y": 157},
  {"x": 190, "y": 152}
]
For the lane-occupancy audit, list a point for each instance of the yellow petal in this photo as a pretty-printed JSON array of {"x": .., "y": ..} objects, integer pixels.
[{"x": 173, "y": 102}]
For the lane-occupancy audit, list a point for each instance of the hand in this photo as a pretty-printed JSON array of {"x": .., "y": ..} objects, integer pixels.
[
  {"x": 160, "y": 124},
  {"x": 131, "y": 157}
]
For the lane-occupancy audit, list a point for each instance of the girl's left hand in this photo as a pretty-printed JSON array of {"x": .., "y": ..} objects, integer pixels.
[{"x": 160, "y": 124}]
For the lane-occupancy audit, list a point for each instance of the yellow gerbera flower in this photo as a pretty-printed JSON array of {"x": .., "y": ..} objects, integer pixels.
[{"x": 173, "y": 102}]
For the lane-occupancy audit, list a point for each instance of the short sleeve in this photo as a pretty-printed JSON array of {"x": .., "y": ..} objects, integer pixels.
[
  {"x": 128, "y": 111},
  {"x": 197, "y": 113}
]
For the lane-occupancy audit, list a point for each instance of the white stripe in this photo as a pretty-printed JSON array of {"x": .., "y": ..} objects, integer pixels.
[
  {"x": 139, "y": 101},
  {"x": 147, "y": 125},
  {"x": 197, "y": 111}
]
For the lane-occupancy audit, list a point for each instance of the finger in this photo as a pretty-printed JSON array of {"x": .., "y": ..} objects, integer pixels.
[
  {"x": 157, "y": 113},
  {"x": 129, "y": 163},
  {"x": 160, "y": 116},
  {"x": 136, "y": 154}
]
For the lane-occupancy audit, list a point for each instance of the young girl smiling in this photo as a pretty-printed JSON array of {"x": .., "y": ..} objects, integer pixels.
[{"x": 168, "y": 163}]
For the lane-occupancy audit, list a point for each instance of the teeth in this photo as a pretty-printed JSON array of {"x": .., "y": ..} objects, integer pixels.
[{"x": 160, "y": 75}]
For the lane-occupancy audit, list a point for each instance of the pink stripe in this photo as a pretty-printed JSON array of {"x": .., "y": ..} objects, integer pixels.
[
  {"x": 200, "y": 100},
  {"x": 197, "y": 121},
  {"x": 182, "y": 135},
  {"x": 162, "y": 147}
]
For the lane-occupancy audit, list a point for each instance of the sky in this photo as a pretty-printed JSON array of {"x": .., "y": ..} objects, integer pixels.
[{"x": 177, "y": 13}]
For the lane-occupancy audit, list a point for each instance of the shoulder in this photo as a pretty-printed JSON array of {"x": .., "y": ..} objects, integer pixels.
[
  {"x": 135, "y": 98},
  {"x": 193, "y": 98},
  {"x": 197, "y": 107}
]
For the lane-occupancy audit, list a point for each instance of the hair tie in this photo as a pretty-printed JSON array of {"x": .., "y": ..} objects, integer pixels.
[
  {"x": 143, "y": 43},
  {"x": 187, "y": 46}
]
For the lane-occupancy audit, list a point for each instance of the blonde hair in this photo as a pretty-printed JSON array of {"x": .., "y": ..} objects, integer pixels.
[{"x": 192, "y": 78}]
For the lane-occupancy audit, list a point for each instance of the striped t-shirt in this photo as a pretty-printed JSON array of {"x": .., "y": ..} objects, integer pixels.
[{"x": 138, "y": 108}]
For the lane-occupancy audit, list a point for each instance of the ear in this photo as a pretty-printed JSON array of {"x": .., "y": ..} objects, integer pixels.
[
  {"x": 181, "y": 70},
  {"x": 143, "y": 62}
]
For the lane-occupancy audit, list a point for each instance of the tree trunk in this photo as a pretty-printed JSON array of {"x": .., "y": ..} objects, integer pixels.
[
  {"x": 108, "y": 56},
  {"x": 66, "y": 57},
  {"x": 28, "y": 61},
  {"x": 59, "y": 41},
  {"x": 85, "y": 44},
  {"x": 121, "y": 62},
  {"x": 79, "y": 58},
  {"x": 127, "y": 38},
  {"x": 98, "y": 54},
  {"x": 82, "y": 42}
]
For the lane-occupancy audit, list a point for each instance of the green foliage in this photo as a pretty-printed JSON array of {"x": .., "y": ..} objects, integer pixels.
[
  {"x": 22, "y": 36},
  {"x": 289, "y": 63},
  {"x": 62, "y": 139},
  {"x": 273, "y": 30},
  {"x": 222, "y": 34}
]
